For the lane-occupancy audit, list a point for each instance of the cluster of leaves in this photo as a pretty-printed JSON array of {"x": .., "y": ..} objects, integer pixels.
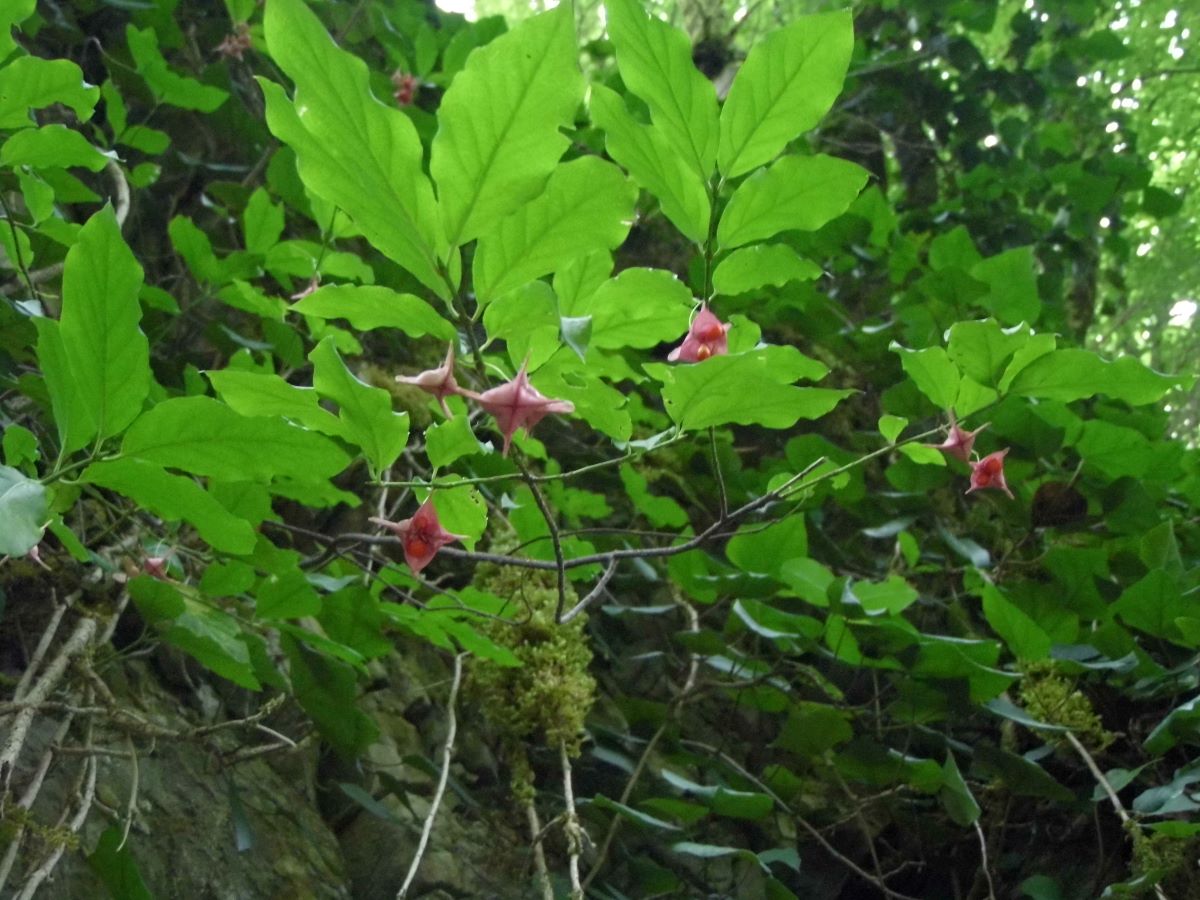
[{"x": 813, "y": 643}]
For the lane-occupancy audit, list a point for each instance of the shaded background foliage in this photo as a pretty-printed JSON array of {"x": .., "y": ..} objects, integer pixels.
[{"x": 836, "y": 703}]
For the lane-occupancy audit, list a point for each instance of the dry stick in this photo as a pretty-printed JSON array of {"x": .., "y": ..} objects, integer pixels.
[
  {"x": 39, "y": 651},
  {"x": 983, "y": 860},
  {"x": 594, "y": 594},
  {"x": 571, "y": 826},
  {"x": 539, "y": 855},
  {"x": 131, "y": 806},
  {"x": 85, "y": 630},
  {"x": 447, "y": 755},
  {"x": 548, "y": 515},
  {"x": 689, "y": 683},
  {"x": 42, "y": 872},
  {"x": 27, "y": 799},
  {"x": 1108, "y": 789}
]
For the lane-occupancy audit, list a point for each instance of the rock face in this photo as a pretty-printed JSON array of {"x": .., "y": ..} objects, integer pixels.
[{"x": 212, "y": 824}]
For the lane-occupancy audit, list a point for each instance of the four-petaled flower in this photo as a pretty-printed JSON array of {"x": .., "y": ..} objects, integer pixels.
[
  {"x": 706, "y": 337},
  {"x": 439, "y": 382},
  {"x": 406, "y": 86},
  {"x": 518, "y": 404},
  {"x": 989, "y": 473},
  {"x": 959, "y": 443},
  {"x": 422, "y": 536}
]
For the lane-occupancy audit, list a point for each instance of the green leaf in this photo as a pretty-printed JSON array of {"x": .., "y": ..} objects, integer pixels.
[
  {"x": 956, "y": 796},
  {"x": 265, "y": 394},
  {"x": 1068, "y": 375},
  {"x": 743, "y": 389},
  {"x": 798, "y": 193},
  {"x": 205, "y": 437},
  {"x": 30, "y": 82},
  {"x": 13, "y": 13},
  {"x": 1180, "y": 724},
  {"x": 1024, "y": 636},
  {"x": 1153, "y": 605},
  {"x": 367, "y": 307},
  {"x": 1012, "y": 280},
  {"x": 809, "y": 579},
  {"x": 213, "y": 638},
  {"x": 167, "y": 86},
  {"x": 116, "y": 867},
  {"x": 981, "y": 349},
  {"x": 787, "y": 83},
  {"x": 327, "y": 690},
  {"x": 499, "y": 123},
  {"x": 639, "y": 308},
  {"x": 20, "y": 445},
  {"x": 932, "y": 372},
  {"x": 891, "y": 427},
  {"x": 1114, "y": 450},
  {"x": 196, "y": 249},
  {"x": 451, "y": 440},
  {"x": 353, "y": 152},
  {"x": 173, "y": 497},
  {"x": 750, "y": 268},
  {"x": 588, "y": 205},
  {"x": 633, "y": 815},
  {"x": 655, "y": 61},
  {"x": 765, "y": 550},
  {"x": 747, "y": 805},
  {"x": 72, "y": 416},
  {"x": 108, "y": 355},
  {"x": 648, "y": 156},
  {"x": 773, "y": 624},
  {"x": 51, "y": 145},
  {"x": 661, "y": 512},
  {"x": 23, "y": 512},
  {"x": 262, "y": 222},
  {"x": 893, "y": 595},
  {"x": 707, "y": 851},
  {"x": 286, "y": 595},
  {"x": 367, "y": 411}
]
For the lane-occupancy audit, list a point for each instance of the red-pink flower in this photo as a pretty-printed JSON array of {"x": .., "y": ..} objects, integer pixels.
[
  {"x": 705, "y": 338},
  {"x": 156, "y": 567},
  {"x": 422, "y": 536},
  {"x": 518, "y": 404},
  {"x": 439, "y": 382},
  {"x": 989, "y": 473},
  {"x": 959, "y": 443}
]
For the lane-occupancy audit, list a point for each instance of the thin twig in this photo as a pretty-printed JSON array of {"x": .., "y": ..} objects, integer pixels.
[
  {"x": 983, "y": 861},
  {"x": 43, "y": 645},
  {"x": 548, "y": 514},
  {"x": 539, "y": 855},
  {"x": 571, "y": 826},
  {"x": 443, "y": 778},
  {"x": 131, "y": 806},
  {"x": 720, "y": 476},
  {"x": 592, "y": 595}
]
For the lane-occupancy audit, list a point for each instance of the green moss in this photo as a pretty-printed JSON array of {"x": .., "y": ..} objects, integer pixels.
[
  {"x": 1051, "y": 697},
  {"x": 1172, "y": 860},
  {"x": 547, "y": 698}
]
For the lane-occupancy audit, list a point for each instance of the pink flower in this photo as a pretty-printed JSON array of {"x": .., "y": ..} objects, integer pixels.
[
  {"x": 959, "y": 443},
  {"x": 705, "y": 338},
  {"x": 422, "y": 536},
  {"x": 156, "y": 567},
  {"x": 989, "y": 473},
  {"x": 439, "y": 382},
  {"x": 518, "y": 404}
]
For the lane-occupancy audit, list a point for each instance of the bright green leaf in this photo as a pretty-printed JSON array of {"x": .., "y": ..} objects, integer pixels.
[
  {"x": 798, "y": 193},
  {"x": 367, "y": 307},
  {"x": 1074, "y": 374},
  {"x": 787, "y": 83},
  {"x": 51, "y": 145},
  {"x": 587, "y": 205},
  {"x": 167, "y": 86},
  {"x": 751, "y": 268},
  {"x": 30, "y": 82},
  {"x": 499, "y": 123},
  {"x": 932, "y": 372},
  {"x": 639, "y": 308}
]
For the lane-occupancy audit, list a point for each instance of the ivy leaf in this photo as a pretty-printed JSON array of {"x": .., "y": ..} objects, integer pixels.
[
  {"x": 588, "y": 205},
  {"x": 368, "y": 307},
  {"x": 23, "y": 512},
  {"x": 167, "y": 86},
  {"x": 798, "y": 193},
  {"x": 107, "y": 354},
  {"x": 650, "y": 159},
  {"x": 367, "y": 411},
  {"x": 1073, "y": 374},
  {"x": 51, "y": 146},
  {"x": 30, "y": 82},
  {"x": 655, "y": 61},
  {"x": 498, "y": 125},
  {"x": 742, "y": 389},
  {"x": 788, "y": 82},
  {"x": 205, "y": 437},
  {"x": 353, "y": 151},
  {"x": 173, "y": 497},
  {"x": 750, "y": 268}
]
